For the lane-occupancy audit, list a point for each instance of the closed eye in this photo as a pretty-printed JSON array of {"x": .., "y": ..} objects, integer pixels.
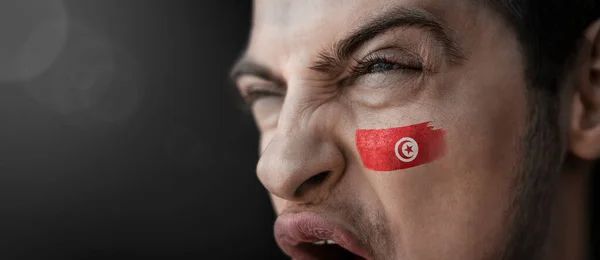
[
  {"x": 255, "y": 93},
  {"x": 382, "y": 63},
  {"x": 383, "y": 66}
]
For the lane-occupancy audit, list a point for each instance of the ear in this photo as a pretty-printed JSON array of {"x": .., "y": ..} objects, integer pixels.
[{"x": 585, "y": 110}]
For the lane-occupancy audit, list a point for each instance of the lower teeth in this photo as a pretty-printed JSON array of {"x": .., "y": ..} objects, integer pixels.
[{"x": 323, "y": 242}]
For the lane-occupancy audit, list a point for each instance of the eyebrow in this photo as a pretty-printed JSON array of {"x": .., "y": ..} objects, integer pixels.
[
  {"x": 330, "y": 60},
  {"x": 247, "y": 66}
]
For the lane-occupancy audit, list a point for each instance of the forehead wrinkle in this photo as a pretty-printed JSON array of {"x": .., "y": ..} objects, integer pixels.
[
  {"x": 308, "y": 20},
  {"x": 285, "y": 13},
  {"x": 290, "y": 45},
  {"x": 314, "y": 13}
]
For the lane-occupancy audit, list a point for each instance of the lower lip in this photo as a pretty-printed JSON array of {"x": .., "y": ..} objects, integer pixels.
[{"x": 310, "y": 227}]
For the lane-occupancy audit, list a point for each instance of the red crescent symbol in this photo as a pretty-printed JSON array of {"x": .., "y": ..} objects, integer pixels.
[{"x": 402, "y": 151}]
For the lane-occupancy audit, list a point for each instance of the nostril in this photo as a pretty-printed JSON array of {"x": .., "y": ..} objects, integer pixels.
[{"x": 312, "y": 183}]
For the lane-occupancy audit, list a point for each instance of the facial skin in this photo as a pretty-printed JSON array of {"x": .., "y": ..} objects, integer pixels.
[{"x": 511, "y": 182}]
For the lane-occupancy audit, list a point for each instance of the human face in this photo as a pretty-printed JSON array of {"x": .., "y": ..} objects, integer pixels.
[{"x": 316, "y": 71}]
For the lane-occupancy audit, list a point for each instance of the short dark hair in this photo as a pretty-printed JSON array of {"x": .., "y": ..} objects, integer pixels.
[{"x": 549, "y": 32}]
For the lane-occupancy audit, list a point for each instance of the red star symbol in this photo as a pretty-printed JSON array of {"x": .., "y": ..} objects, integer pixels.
[{"x": 408, "y": 149}]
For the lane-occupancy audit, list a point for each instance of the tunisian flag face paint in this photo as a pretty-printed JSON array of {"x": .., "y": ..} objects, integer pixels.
[{"x": 400, "y": 148}]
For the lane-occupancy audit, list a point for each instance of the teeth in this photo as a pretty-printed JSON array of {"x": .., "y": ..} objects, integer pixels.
[{"x": 323, "y": 242}]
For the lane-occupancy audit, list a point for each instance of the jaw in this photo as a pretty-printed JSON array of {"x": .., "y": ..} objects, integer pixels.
[{"x": 569, "y": 226}]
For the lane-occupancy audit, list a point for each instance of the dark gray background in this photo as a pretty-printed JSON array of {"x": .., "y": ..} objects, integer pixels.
[{"x": 129, "y": 145}]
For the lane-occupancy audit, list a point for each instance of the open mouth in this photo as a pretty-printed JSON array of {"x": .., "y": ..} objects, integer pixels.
[
  {"x": 308, "y": 236},
  {"x": 325, "y": 250}
]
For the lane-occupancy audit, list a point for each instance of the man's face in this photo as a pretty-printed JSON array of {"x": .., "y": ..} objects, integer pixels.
[{"x": 317, "y": 71}]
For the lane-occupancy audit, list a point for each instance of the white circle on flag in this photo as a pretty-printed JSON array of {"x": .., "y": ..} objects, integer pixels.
[{"x": 407, "y": 149}]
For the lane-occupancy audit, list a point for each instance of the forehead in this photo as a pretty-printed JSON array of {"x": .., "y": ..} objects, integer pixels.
[
  {"x": 290, "y": 12},
  {"x": 283, "y": 28}
]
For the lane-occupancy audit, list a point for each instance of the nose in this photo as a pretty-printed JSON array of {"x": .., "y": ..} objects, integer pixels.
[
  {"x": 299, "y": 167},
  {"x": 301, "y": 163}
]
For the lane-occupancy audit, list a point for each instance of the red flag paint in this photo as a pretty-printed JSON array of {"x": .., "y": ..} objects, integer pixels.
[{"x": 400, "y": 148}]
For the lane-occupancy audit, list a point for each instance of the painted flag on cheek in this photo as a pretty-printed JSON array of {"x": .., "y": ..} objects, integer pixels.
[{"x": 400, "y": 148}]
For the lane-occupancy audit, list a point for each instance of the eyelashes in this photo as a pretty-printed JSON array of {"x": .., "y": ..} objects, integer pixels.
[{"x": 383, "y": 62}]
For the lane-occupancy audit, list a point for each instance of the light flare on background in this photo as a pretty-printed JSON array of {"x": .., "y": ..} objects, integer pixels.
[
  {"x": 93, "y": 83},
  {"x": 34, "y": 32}
]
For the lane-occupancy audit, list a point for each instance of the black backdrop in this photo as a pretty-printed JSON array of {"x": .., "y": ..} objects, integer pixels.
[{"x": 129, "y": 146}]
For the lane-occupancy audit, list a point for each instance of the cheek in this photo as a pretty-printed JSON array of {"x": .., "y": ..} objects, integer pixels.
[
  {"x": 265, "y": 138},
  {"x": 266, "y": 112},
  {"x": 278, "y": 204},
  {"x": 458, "y": 204}
]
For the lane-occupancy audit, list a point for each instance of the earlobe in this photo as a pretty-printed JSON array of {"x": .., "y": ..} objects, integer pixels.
[
  {"x": 584, "y": 135},
  {"x": 585, "y": 106}
]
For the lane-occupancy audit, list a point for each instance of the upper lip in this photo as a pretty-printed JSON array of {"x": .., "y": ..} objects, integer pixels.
[{"x": 295, "y": 232}]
